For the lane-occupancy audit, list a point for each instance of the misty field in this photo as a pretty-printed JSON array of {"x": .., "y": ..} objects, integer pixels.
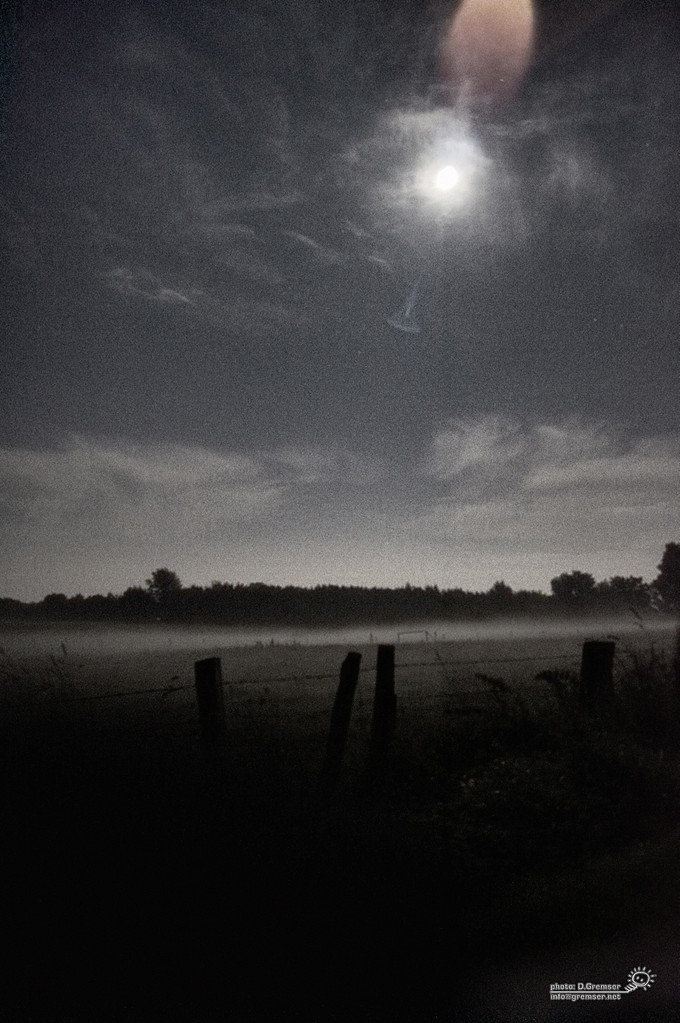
[
  {"x": 285, "y": 683},
  {"x": 504, "y": 819},
  {"x": 98, "y": 659}
]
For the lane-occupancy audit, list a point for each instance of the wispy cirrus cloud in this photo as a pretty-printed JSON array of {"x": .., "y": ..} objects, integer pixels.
[
  {"x": 125, "y": 474},
  {"x": 145, "y": 284},
  {"x": 551, "y": 456},
  {"x": 249, "y": 317},
  {"x": 552, "y": 490},
  {"x": 324, "y": 253},
  {"x": 473, "y": 444},
  {"x": 324, "y": 466},
  {"x": 90, "y": 510},
  {"x": 493, "y": 498},
  {"x": 128, "y": 490},
  {"x": 637, "y": 468}
]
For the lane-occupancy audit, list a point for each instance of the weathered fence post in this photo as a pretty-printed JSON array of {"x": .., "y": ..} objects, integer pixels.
[
  {"x": 597, "y": 672},
  {"x": 384, "y": 706},
  {"x": 675, "y": 679},
  {"x": 210, "y": 697},
  {"x": 340, "y": 718}
]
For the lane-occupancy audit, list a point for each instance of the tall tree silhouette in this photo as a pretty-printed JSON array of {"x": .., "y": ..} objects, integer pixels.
[
  {"x": 667, "y": 583},
  {"x": 164, "y": 587},
  {"x": 573, "y": 587}
]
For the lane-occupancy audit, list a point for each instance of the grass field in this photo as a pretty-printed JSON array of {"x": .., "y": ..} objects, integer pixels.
[{"x": 160, "y": 880}]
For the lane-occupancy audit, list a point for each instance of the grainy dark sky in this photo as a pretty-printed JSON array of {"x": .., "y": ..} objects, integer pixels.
[{"x": 207, "y": 213}]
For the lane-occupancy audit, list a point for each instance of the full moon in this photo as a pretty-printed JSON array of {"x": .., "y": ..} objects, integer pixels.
[
  {"x": 487, "y": 47},
  {"x": 446, "y": 178}
]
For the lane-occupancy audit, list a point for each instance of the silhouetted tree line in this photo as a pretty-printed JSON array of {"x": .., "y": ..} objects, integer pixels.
[{"x": 164, "y": 598}]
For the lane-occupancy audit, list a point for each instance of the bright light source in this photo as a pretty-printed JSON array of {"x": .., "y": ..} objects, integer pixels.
[{"x": 446, "y": 178}]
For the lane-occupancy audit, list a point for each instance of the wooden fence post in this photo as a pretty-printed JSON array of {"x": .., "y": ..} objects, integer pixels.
[
  {"x": 210, "y": 697},
  {"x": 384, "y": 705},
  {"x": 675, "y": 677},
  {"x": 340, "y": 718},
  {"x": 597, "y": 672}
]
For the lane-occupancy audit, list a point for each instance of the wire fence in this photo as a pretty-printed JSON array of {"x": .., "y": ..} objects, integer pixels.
[
  {"x": 60, "y": 683},
  {"x": 439, "y": 663}
]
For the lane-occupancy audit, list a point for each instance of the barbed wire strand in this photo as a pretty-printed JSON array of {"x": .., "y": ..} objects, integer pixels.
[{"x": 279, "y": 679}]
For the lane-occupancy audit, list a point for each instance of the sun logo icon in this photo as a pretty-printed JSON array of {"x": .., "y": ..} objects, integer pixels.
[{"x": 641, "y": 977}]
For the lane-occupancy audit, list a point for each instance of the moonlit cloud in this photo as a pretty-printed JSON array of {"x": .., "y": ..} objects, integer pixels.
[
  {"x": 495, "y": 499},
  {"x": 490, "y": 441},
  {"x": 107, "y": 505},
  {"x": 247, "y": 317},
  {"x": 323, "y": 253},
  {"x": 619, "y": 471},
  {"x": 575, "y": 490},
  {"x": 131, "y": 487},
  {"x": 403, "y": 155},
  {"x": 325, "y": 465},
  {"x": 572, "y": 440},
  {"x": 145, "y": 284}
]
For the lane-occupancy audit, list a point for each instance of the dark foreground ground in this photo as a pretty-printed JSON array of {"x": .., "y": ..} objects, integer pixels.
[{"x": 147, "y": 878}]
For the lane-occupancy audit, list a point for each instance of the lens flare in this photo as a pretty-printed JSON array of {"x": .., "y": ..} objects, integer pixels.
[{"x": 488, "y": 46}]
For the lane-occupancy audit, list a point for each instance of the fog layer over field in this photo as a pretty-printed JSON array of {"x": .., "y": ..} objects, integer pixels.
[{"x": 89, "y": 640}]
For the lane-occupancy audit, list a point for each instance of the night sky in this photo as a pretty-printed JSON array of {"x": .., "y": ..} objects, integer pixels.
[{"x": 208, "y": 211}]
